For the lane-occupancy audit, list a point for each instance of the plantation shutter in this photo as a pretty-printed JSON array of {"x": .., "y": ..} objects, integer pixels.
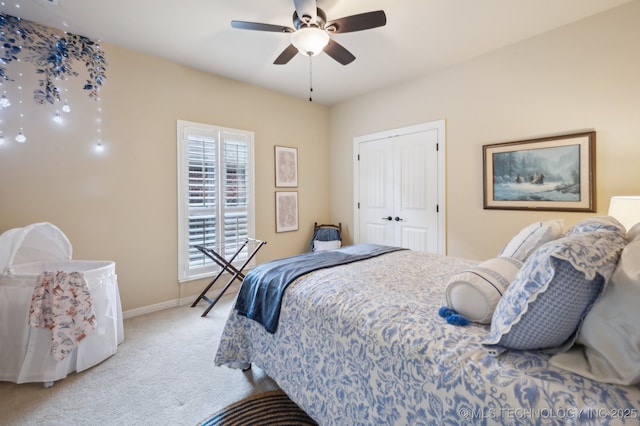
[
  {"x": 202, "y": 157},
  {"x": 214, "y": 189},
  {"x": 235, "y": 192}
]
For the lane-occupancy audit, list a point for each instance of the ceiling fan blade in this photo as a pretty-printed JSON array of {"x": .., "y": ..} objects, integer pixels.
[
  {"x": 338, "y": 52},
  {"x": 362, "y": 21},
  {"x": 256, "y": 26},
  {"x": 286, "y": 55},
  {"x": 306, "y": 8}
]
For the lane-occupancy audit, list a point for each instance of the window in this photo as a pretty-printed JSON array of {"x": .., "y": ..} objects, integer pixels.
[{"x": 215, "y": 195}]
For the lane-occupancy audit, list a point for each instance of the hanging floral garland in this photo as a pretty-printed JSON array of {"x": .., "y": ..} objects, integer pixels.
[{"x": 53, "y": 53}]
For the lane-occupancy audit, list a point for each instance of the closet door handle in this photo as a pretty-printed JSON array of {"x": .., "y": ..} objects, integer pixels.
[
  {"x": 398, "y": 219},
  {"x": 389, "y": 218}
]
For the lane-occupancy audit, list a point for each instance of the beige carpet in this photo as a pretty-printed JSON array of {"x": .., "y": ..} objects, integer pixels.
[{"x": 163, "y": 374}]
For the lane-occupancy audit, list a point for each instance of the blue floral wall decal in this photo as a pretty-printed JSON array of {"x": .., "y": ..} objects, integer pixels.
[{"x": 53, "y": 52}]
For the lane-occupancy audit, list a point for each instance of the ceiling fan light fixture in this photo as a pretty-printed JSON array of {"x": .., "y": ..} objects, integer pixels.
[{"x": 310, "y": 40}]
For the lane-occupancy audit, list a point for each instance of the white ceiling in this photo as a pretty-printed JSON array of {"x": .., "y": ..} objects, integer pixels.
[{"x": 421, "y": 36}]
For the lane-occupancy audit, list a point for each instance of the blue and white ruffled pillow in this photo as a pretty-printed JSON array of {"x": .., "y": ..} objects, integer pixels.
[
  {"x": 546, "y": 303},
  {"x": 600, "y": 223},
  {"x": 610, "y": 337}
]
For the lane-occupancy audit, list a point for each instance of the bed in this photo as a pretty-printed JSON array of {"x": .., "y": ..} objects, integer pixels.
[{"x": 366, "y": 343}]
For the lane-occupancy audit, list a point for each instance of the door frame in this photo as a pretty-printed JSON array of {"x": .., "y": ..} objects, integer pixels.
[{"x": 439, "y": 126}]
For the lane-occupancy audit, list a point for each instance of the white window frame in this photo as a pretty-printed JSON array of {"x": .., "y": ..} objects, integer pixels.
[{"x": 186, "y": 272}]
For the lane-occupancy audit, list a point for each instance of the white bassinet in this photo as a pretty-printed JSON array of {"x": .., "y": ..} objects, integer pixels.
[{"x": 25, "y": 352}]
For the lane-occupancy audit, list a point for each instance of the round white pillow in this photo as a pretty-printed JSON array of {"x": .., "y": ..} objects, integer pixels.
[{"x": 475, "y": 292}]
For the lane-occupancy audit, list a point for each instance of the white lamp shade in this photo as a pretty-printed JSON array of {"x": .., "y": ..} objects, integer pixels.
[
  {"x": 310, "y": 40},
  {"x": 626, "y": 209}
]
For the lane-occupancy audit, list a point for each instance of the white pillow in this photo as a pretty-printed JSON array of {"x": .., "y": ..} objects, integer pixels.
[
  {"x": 610, "y": 334},
  {"x": 531, "y": 237},
  {"x": 475, "y": 292},
  {"x": 325, "y": 245}
]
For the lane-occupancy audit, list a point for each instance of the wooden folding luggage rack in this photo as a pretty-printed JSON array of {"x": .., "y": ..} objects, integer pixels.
[{"x": 226, "y": 265}]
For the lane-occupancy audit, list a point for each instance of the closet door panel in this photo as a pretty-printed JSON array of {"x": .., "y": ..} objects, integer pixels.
[
  {"x": 415, "y": 183},
  {"x": 376, "y": 192}
]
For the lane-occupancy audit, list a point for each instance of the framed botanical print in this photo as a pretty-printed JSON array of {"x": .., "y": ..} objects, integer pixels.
[
  {"x": 286, "y": 211},
  {"x": 286, "y": 163}
]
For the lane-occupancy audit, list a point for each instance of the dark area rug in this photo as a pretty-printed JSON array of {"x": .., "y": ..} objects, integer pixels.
[{"x": 268, "y": 408}]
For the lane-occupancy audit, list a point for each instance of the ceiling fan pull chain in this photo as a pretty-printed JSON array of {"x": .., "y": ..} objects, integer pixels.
[{"x": 310, "y": 79}]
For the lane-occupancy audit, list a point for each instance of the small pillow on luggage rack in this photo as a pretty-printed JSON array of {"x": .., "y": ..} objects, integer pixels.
[{"x": 326, "y": 245}]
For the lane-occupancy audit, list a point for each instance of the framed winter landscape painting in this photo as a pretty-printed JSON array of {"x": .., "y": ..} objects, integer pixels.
[{"x": 553, "y": 173}]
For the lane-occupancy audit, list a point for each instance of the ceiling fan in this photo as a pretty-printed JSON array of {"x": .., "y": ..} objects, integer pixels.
[{"x": 312, "y": 33}]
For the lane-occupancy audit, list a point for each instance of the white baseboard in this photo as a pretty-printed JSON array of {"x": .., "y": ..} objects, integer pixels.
[{"x": 231, "y": 291}]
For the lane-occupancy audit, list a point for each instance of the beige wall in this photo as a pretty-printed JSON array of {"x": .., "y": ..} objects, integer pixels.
[
  {"x": 583, "y": 76},
  {"x": 121, "y": 205}
]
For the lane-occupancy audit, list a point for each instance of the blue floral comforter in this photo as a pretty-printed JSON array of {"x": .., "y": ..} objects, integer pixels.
[
  {"x": 362, "y": 344},
  {"x": 260, "y": 296}
]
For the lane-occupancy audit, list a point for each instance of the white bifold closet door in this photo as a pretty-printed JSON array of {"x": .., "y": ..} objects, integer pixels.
[{"x": 398, "y": 191}]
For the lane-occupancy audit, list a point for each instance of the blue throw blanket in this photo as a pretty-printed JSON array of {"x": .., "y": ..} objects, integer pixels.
[{"x": 262, "y": 289}]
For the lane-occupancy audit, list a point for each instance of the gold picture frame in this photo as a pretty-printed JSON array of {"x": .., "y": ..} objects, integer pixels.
[{"x": 555, "y": 173}]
